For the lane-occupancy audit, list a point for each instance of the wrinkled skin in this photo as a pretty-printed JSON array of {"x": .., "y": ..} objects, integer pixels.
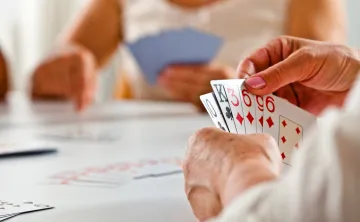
[
  {"x": 310, "y": 74},
  {"x": 219, "y": 166}
]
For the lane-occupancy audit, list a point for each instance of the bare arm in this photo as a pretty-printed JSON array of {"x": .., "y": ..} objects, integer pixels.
[
  {"x": 322, "y": 20},
  {"x": 98, "y": 29},
  {"x": 4, "y": 76}
]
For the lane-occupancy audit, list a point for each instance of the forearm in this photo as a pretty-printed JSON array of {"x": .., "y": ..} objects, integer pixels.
[
  {"x": 322, "y": 20},
  {"x": 4, "y": 77},
  {"x": 99, "y": 29}
]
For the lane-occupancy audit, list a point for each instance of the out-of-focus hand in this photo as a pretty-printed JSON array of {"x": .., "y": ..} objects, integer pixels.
[
  {"x": 188, "y": 82},
  {"x": 4, "y": 77},
  {"x": 69, "y": 73},
  {"x": 310, "y": 74},
  {"x": 220, "y": 166}
]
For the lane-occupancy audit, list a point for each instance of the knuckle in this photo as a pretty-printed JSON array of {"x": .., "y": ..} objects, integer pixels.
[
  {"x": 195, "y": 146},
  {"x": 200, "y": 135},
  {"x": 281, "y": 40}
]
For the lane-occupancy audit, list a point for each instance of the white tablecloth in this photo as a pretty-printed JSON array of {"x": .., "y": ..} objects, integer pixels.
[{"x": 143, "y": 130}]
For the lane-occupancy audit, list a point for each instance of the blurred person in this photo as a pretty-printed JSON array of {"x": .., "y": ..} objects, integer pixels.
[
  {"x": 70, "y": 72},
  {"x": 236, "y": 178},
  {"x": 4, "y": 77}
]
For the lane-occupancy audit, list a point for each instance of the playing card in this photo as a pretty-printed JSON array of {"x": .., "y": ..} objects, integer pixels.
[
  {"x": 210, "y": 103},
  {"x": 287, "y": 123},
  {"x": 157, "y": 170},
  {"x": 8, "y": 208},
  {"x": 190, "y": 46},
  {"x": 233, "y": 95},
  {"x": 81, "y": 133},
  {"x": 3, "y": 218},
  {"x": 182, "y": 46},
  {"x": 9, "y": 148},
  {"x": 92, "y": 177},
  {"x": 222, "y": 99},
  {"x": 259, "y": 113},
  {"x": 249, "y": 106}
]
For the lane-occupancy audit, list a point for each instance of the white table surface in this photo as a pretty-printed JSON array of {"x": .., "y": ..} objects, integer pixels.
[{"x": 145, "y": 130}]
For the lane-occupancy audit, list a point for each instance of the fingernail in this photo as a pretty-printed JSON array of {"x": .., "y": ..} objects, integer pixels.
[{"x": 255, "y": 82}]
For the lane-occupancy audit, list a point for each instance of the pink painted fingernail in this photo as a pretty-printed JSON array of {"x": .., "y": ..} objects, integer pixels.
[{"x": 255, "y": 82}]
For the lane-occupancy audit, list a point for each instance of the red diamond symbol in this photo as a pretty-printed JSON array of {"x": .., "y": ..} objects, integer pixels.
[
  {"x": 270, "y": 122},
  {"x": 284, "y": 123},
  {"x": 250, "y": 118},
  {"x": 283, "y": 139},
  {"x": 283, "y": 156},
  {"x": 261, "y": 120},
  {"x": 298, "y": 130},
  {"x": 240, "y": 118},
  {"x": 297, "y": 146}
]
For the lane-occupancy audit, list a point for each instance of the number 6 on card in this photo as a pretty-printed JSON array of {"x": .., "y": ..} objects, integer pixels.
[
  {"x": 287, "y": 123},
  {"x": 248, "y": 101}
]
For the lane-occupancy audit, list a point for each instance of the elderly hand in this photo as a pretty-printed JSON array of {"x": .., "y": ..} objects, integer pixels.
[
  {"x": 310, "y": 74},
  {"x": 219, "y": 166},
  {"x": 188, "y": 82},
  {"x": 67, "y": 74}
]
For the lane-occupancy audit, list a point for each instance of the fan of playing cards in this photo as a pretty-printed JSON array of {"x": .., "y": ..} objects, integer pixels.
[{"x": 233, "y": 109}]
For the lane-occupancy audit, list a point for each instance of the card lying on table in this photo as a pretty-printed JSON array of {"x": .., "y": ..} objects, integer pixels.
[
  {"x": 23, "y": 148},
  {"x": 180, "y": 46},
  {"x": 9, "y": 209},
  {"x": 235, "y": 110}
]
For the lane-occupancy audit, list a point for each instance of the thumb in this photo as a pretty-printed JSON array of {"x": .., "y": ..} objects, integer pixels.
[{"x": 281, "y": 74}]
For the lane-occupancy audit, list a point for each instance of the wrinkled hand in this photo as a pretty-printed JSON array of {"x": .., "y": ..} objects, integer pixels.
[
  {"x": 69, "y": 73},
  {"x": 187, "y": 83},
  {"x": 310, "y": 74},
  {"x": 219, "y": 166}
]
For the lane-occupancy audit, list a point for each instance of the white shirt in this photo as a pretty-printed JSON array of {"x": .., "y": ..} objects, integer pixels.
[
  {"x": 323, "y": 183},
  {"x": 243, "y": 24}
]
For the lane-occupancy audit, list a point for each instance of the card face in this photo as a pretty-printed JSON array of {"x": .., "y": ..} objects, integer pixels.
[
  {"x": 259, "y": 113},
  {"x": 3, "y": 218},
  {"x": 211, "y": 106},
  {"x": 8, "y": 208},
  {"x": 290, "y": 137},
  {"x": 233, "y": 95},
  {"x": 118, "y": 174},
  {"x": 249, "y": 104},
  {"x": 222, "y": 99},
  {"x": 286, "y": 123}
]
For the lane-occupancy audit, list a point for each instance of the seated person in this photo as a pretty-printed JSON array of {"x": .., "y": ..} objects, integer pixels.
[
  {"x": 70, "y": 72},
  {"x": 4, "y": 77},
  {"x": 236, "y": 178}
]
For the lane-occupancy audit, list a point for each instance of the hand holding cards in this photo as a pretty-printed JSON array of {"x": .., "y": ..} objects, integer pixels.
[
  {"x": 180, "y": 46},
  {"x": 233, "y": 109}
]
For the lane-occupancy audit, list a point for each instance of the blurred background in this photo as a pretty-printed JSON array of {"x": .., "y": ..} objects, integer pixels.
[{"x": 29, "y": 28}]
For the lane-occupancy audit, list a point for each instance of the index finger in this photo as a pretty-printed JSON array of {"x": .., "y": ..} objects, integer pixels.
[{"x": 274, "y": 52}]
